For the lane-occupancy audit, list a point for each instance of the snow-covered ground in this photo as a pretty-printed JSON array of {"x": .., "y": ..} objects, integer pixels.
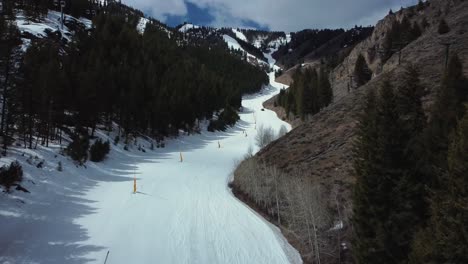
[
  {"x": 234, "y": 44},
  {"x": 51, "y": 23},
  {"x": 187, "y": 27},
  {"x": 142, "y": 25},
  {"x": 183, "y": 212}
]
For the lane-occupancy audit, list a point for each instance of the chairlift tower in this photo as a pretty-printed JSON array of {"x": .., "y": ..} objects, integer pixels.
[
  {"x": 447, "y": 45},
  {"x": 62, "y": 5}
]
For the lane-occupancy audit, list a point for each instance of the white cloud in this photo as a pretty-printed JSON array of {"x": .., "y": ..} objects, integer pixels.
[
  {"x": 286, "y": 15},
  {"x": 160, "y": 8}
]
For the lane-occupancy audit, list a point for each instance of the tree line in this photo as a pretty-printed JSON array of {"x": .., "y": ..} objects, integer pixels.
[
  {"x": 309, "y": 92},
  {"x": 410, "y": 196},
  {"x": 401, "y": 33},
  {"x": 150, "y": 83},
  {"x": 295, "y": 203}
]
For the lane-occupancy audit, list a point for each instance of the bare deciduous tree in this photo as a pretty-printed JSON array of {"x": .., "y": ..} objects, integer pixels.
[
  {"x": 265, "y": 135},
  {"x": 298, "y": 203},
  {"x": 283, "y": 131}
]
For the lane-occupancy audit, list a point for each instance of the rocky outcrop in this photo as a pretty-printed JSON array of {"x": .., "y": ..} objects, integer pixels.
[{"x": 427, "y": 51}]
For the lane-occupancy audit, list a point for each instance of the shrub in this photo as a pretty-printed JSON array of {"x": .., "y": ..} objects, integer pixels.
[
  {"x": 78, "y": 148},
  {"x": 9, "y": 175},
  {"x": 99, "y": 150},
  {"x": 227, "y": 118},
  {"x": 362, "y": 72},
  {"x": 40, "y": 165},
  {"x": 283, "y": 131},
  {"x": 264, "y": 136}
]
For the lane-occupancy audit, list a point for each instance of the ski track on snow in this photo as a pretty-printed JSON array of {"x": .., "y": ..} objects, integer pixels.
[{"x": 183, "y": 212}]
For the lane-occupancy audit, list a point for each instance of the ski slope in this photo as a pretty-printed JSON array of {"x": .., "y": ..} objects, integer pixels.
[
  {"x": 234, "y": 44},
  {"x": 183, "y": 212}
]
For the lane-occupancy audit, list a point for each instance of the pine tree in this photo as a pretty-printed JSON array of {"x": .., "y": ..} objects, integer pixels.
[
  {"x": 9, "y": 41},
  {"x": 451, "y": 214},
  {"x": 424, "y": 23},
  {"x": 406, "y": 32},
  {"x": 364, "y": 220},
  {"x": 378, "y": 165},
  {"x": 325, "y": 90},
  {"x": 35, "y": 9},
  {"x": 362, "y": 72},
  {"x": 445, "y": 238},
  {"x": 420, "y": 6},
  {"x": 443, "y": 27},
  {"x": 409, "y": 105},
  {"x": 445, "y": 151},
  {"x": 144, "y": 83},
  {"x": 410, "y": 209},
  {"x": 447, "y": 109},
  {"x": 309, "y": 98},
  {"x": 415, "y": 31}
]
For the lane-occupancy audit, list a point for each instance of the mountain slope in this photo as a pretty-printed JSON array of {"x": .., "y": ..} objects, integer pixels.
[
  {"x": 182, "y": 212},
  {"x": 321, "y": 148},
  {"x": 82, "y": 211}
]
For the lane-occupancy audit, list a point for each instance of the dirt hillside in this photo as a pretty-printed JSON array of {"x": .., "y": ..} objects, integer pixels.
[{"x": 322, "y": 146}]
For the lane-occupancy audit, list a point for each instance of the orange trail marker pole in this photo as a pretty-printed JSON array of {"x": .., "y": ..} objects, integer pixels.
[{"x": 134, "y": 185}]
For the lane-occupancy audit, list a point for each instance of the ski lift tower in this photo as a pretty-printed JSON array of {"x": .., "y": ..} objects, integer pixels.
[
  {"x": 62, "y": 4},
  {"x": 447, "y": 44}
]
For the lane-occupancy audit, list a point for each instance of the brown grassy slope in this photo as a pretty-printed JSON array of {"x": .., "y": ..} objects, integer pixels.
[
  {"x": 281, "y": 112},
  {"x": 322, "y": 146},
  {"x": 326, "y": 134}
]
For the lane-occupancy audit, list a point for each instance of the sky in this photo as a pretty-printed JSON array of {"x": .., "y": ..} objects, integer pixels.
[{"x": 277, "y": 15}]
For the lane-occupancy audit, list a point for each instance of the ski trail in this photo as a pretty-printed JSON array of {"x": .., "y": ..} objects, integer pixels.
[{"x": 185, "y": 213}]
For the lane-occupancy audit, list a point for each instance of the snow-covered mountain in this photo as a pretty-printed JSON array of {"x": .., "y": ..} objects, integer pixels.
[{"x": 253, "y": 44}]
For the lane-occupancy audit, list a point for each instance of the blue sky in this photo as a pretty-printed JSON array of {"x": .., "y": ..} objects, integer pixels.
[
  {"x": 202, "y": 16},
  {"x": 282, "y": 15}
]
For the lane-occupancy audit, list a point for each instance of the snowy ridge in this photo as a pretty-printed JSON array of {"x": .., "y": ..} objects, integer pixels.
[{"x": 187, "y": 27}]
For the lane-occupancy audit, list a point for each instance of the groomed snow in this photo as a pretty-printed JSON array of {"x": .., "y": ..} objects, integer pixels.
[
  {"x": 187, "y": 27},
  {"x": 183, "y": 212},
  {"x": 234, "y": 44},
  {"x": 240, "y": 35}
]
